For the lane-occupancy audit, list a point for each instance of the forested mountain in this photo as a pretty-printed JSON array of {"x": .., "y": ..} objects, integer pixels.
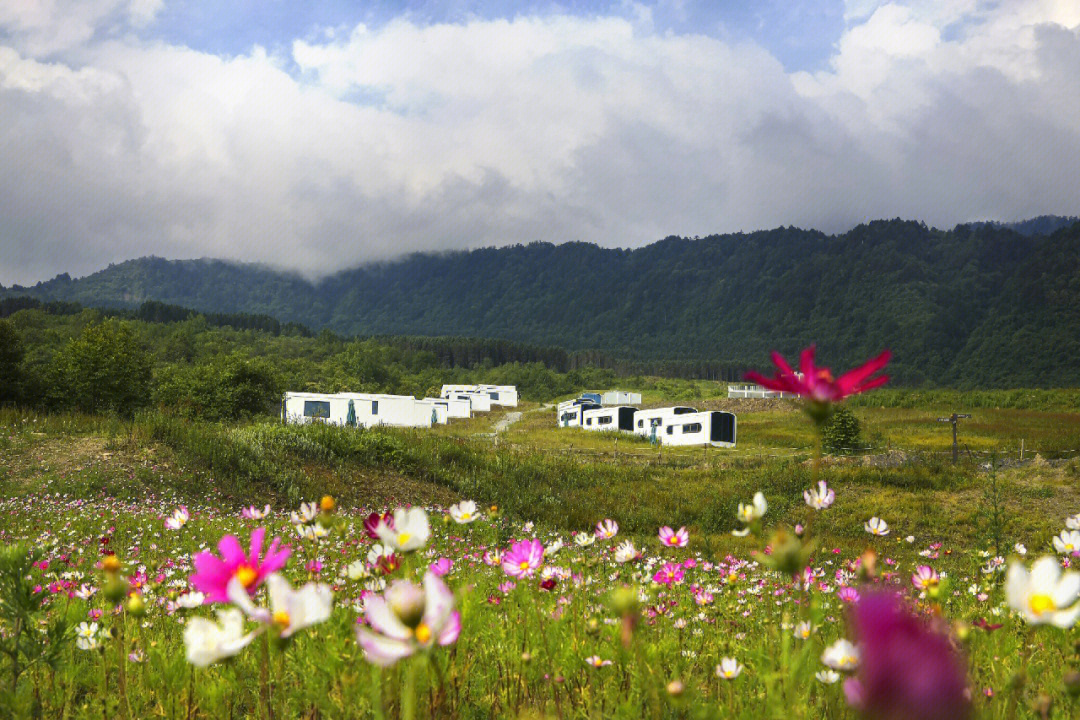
[{"x": 979, "y": 305}]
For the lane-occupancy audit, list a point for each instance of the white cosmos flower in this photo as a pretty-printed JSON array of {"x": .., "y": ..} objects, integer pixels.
[
  {"x": 876, "y": 526},
  {"x": 1046, "y": 595},
  {"x": 820, "y": 497},
  {"x": 1020, "y": 549},
  {"x": 312, "y": 532},
  {"x": 607, "y": 529},
  {"x": 728, "y": 669},
  {"x": 86, "y": 636},
  {"x": 553, "y": 548},
  {"x": 464, "y": 512},
  {"x": 178, "y": 519},
  {"x": 625, "y": 552},
  {"x": 208, "y": 641},
  {"x": 755, "y": 510},
  {"x": 410, "y": 531},
  {"x": 827, "y": 676},
  {"x": 584, "y": 539},
  {"x": 307, "y": 513},
  {"x": 841, "y": 655},
  {"x": 378, "y": 551},
  {"x": 191, "y": 600},
  {"x": 357, "y": 570},
  {"x": 1073, "y": 522},
  {"x": 1067, "y": 542},
  {"x": 290, "y": 610}
]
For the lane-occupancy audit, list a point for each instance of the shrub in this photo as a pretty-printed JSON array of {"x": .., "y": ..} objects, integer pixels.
[{"x": 841, "y": 432}]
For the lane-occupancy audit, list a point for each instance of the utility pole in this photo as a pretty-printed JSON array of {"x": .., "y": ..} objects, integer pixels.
[{"x": 952, "y": 419}]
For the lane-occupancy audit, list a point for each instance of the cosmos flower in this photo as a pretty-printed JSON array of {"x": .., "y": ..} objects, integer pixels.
[
  {"x": 409, "y": 531},
  {"x": 1020, "y": 549},
  {"x": 728, "y": 669},
  {"x": 407, "y": 619},
  {"x": 86, "y": 636},
  {"x": 848, "y": 594},
  {"x": 596, "y": 661},
  {"x": 876, "y": 526},
  {"x": 208, "y": 641},
  {"x": 584, "y": 539},
  {"x": 191, "y": 600},
  {"x": 670, "y": 573},
  {"x": 841, "y": 655},
  {"x": 523, "y": 558},
  {"x": 441, "y": 566},
  {"x": 626, "y": 552},
  {"x": 1067, "y": 542},
  {"x": 290, "y": 610},
  {"x": 607, "y": 529},
  {"x": 253, "y": 513},
  {"x": 1073, "y": 522},
  {"x": 464, "y": 512},
  {"x": 673, "y": 538},
  {"x": 803, "y": 630},
  {"x": 178, "y": 519},
  {"x": 906, "y": 669},
  {"x": 212, "y": 574},
  {"x": 820, "y": 497},
  {"x": 372, "y": 521},
  {"x": 1046, "y": 595},
  {"x": 817, "y": 383},
  {"x": 315, "y": 531},
  {"x": 925, "y": 577},
  {"x": 754, "y": 511},
  {"x": 553, "y": 548},
  {"x": 307, "y": 513},
  {"x": 827, "y": 676}
]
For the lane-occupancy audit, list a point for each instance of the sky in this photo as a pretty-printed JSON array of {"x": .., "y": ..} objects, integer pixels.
[{"x": 323, "y": 134}]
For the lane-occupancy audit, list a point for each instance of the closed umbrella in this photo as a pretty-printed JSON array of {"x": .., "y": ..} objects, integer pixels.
[{"x": 350, "y": 419}]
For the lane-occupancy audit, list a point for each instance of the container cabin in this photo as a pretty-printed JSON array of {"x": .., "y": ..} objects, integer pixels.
[
  {"x": 479, "y": 402},
  {"x": 649, "y": 423},
  {"x": 610, "y": 419},
  {"x": 713, "y": 428},
  {"x": 502, "y": 395},
  {"x": 436, "y": 410},
  {"x": 620, "y": 397},
  {"x": 455, "y": 408},
  {"x": 574, "y": 415}
]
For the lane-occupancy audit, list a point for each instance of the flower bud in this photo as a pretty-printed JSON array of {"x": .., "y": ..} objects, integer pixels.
[
  {"x": 327, "y": 504},
  {"x": 110, "y": 564},
  {"x": 135, "y": 605},
  {"x": 114, "y": 589},
  {"x": 675, "y": 688}
]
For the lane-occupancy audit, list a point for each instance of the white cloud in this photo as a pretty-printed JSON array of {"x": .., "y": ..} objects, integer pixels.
[{"x": 418, "y": 137}]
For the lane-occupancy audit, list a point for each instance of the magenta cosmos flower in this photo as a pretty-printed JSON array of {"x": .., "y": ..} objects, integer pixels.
[
  {"x": 925, "y": 577},
  {"x": 906, "y": 669},
  {"x": 523, "y": 557},
  {"x": 212, "y": 574},
  {"x": 671, "y": 538},
  {"x": 671, "y": 573},
  {"x": 817, "y": 383}
]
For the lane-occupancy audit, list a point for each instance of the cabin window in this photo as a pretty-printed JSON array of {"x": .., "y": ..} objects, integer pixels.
[
  {"x": 670, "y": 429},
  {"x": 691, "y": 428},
  {"x": 641, "y": 423},
  {"x": 374, "y": 407},
  {"x": 589, "y": 421},
  {"x": 603, "y": 420},
  {"x": 494, "y": 397},
  {"x": 317, "y": 409}
]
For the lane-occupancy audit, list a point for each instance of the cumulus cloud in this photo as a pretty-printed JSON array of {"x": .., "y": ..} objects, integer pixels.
[{"x": 363, "y": 144}]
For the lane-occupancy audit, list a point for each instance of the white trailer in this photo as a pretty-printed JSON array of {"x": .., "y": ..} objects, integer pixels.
[
  {"x": 610, "y": 419},
  {"x": 393, "y": 410},
  {"x": 436, "y": 410},
  {"x": 455, "y": 408},
  {"x": 620, "y": 397},
  {"x": 649, "y": 423},
  {"x": 713, "y": 428},
  {"x": 573, "y": 415},
  {"x": 302, "y": 408},
  {"x": 504, "y": 395},
  {"x": 478, "y": 401}
]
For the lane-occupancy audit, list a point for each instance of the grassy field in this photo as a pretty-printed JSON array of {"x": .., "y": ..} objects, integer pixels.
[{"x": 69, "y": 481}]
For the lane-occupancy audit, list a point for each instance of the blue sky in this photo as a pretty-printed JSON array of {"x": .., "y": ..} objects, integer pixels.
[
  {"x": 319, "y": 135},
  {"x": 799, "y": 33}
]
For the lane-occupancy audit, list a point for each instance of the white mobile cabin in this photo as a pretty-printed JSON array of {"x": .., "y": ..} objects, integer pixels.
[
  {"x": 393, "y": 410},
  {"x": 573, "y": 415},
  {"x": 477, "y": 401},
  {"x": 503, "y": 395},
  {"x": 610, "y": 419},
  {"x": 713, "y": 428},
  {"x": 302, "y": 408},
  {"x": 455, "y": 408},
  {"x": 436, "y": 411},
  {"x": 649, "y": 423},
  {"x": 620, "y": 397}
]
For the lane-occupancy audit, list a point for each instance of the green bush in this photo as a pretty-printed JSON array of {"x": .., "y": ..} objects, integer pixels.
[
  {"x": 104, "y": 369},
  {"x": 841, "y": 433}
]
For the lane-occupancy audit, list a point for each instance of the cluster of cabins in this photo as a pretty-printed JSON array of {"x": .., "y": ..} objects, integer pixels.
[
  {"x": 677, "y": 425},
  {"x": 370, "y": 409}
]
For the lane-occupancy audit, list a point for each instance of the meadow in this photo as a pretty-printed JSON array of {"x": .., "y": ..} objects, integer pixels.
[{"x": 720, "y": 626}]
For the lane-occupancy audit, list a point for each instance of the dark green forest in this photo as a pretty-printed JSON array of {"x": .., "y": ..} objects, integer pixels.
[{"x": 981, "y": 305}]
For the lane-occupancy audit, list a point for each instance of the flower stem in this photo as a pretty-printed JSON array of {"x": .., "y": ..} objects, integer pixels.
[
  {"x": 264, "y": 680},
  {"x": 408, "y": 694}
]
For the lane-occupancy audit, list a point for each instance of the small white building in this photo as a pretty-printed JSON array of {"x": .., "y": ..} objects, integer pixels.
[
  {"x": 610, "y": 419},
  {"x": 572, "y": 414},
  {"x": 455, "y": 408},
  {"x": 479, "y": 402},
  {"x": 503, "y": 395},
  {"x": 367, "y": 409},
  {"x": 713, "y": 428},
  {"x": 620, "y": 397},
  {"x": 751, "y": 390},
  {"x": 436, "y": 410},
  {"x": 649, "y": 423}
]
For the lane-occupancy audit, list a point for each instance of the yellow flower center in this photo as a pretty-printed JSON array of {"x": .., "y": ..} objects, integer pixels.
[
  {"x": 423, "y": 633},
  {"x": 403, "y": 538},
  {"x": 732, "y": 578},
  {"x": 282, "y": 618},
  {"x": 246, "y": 575},
  {"x": 1069, "y": 547},
  {"x": 1041, "y": 603},
  {"x": 673, "y": 540},
  {"x": 524, "y": 564}
]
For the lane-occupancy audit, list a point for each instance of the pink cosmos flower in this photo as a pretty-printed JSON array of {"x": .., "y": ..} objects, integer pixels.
[
  {"x": 493, "y": 557},
  {"x": 441, "y": 566},
  {"x": 212, "y": 574},
  {"x": 372, "y": 521},
  {"x": 253, "y": 513},
  {"x": 523, "y": 558},
  {"x": 817, "y": 383},
  {"x": 673, "y": 538},
  {"x": 607, "y": 529},
  {"x": 407, "y": 618},
  {"x": 670, "y": 574},
  {"x": 848, "y": 595},
  {"x": 925, "y": 577},
  {"x": 178, "y": 519}
]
